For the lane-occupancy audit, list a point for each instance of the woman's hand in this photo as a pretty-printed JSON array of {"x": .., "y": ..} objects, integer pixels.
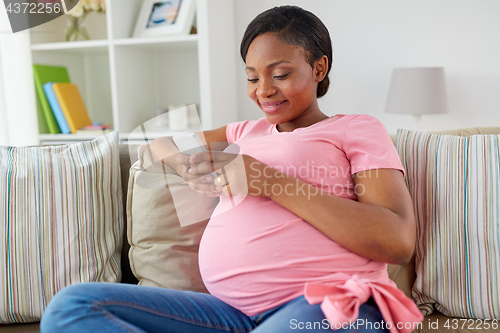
[
  {"x": 215, "y": 172},
  {"x": 203, "y": 182},
  {"x": 164, "y": 149}
]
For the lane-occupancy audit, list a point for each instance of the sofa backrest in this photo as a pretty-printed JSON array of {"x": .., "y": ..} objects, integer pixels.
[
  {"x": 403, "y": 276},
  {"x": 126, "y": 160}
]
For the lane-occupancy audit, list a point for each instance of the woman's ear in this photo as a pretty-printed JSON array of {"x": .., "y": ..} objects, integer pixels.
[{"x": 320, "y": 68}]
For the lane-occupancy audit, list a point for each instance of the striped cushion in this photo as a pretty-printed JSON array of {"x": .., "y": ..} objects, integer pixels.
[
  {"x": 454, "y": 183},
  {"x": 61, "y": 222}
]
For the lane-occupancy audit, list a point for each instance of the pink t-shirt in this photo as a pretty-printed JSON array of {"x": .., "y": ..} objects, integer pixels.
[{"x": 258, "y": 255}]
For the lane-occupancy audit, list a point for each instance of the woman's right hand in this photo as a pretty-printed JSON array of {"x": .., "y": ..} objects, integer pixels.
[
  {"x": 202, "y": 183},
  {"x": 165, "y": 150}
]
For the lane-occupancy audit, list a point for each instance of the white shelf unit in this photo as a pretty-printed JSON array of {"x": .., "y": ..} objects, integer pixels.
[{"x": 123, "y": 79}]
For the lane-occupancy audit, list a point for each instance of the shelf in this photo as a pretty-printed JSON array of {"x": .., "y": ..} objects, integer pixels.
[
  {"x": 69, "y": 137},
  {"x": 92, "y": 46},
  {"x": 123, "y": 79},
  {"x": 188, "y": 42},
  {"x": 153, "y": 135},
  {"x": 53, "y": 139},
  {"x": 179, "y": 43},
  {"x": 134, "y": 136}
]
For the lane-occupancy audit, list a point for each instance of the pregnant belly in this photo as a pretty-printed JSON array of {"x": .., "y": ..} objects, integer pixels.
[{"x": 259, "y": 252}]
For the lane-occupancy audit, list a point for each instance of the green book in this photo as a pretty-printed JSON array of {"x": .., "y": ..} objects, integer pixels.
[{"x": 43, "y": 74}]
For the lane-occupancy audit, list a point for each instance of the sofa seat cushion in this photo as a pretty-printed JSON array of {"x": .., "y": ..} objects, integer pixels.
[{"x": 20, "y": 328}]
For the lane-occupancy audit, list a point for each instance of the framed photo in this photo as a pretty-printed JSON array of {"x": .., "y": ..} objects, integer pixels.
[{"x": 165, "y": 17}]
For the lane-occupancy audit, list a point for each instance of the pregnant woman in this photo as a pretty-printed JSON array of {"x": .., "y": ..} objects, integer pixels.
[{"x": 322, "y": 208}]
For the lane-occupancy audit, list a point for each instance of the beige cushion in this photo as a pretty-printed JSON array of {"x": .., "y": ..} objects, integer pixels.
[
  {"x": 453, "y": 181},
  {"x": 403, "y": 276},
  {"x": 162, "y": 252}
]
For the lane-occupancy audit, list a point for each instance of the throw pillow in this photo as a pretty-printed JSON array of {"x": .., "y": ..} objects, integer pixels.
[
  {"x": 454, "y": 183},
  {"x": 60, "y": 222},
  {"x": 165, "y": 221}
]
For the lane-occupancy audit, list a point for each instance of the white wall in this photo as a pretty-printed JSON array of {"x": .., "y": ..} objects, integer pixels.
[
  {"x": 370, "y": 38},
  {"x": 17, "y": 96}
]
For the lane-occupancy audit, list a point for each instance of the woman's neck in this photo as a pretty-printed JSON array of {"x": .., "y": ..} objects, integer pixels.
[{"x": 307, "y": 118}]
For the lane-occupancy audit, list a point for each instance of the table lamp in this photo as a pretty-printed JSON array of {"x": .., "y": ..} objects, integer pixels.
[{"x": 417, "y": 91}]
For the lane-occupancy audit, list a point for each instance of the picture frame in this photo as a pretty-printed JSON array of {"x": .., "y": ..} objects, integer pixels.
[{"x": 165, "y": 17}]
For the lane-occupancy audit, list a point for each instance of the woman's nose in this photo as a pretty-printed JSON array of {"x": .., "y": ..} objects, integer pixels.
[{"x": 266, "y": 88}]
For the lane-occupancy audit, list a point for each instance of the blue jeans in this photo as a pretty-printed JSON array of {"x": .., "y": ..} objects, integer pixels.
[{"x": 114, "y": 307}]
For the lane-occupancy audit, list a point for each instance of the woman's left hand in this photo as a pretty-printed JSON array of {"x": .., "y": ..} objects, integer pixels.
[{"x": 232, "y": 173}]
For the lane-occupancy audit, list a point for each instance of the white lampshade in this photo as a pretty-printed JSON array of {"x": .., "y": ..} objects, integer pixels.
[{"x": 417, "y": 91}]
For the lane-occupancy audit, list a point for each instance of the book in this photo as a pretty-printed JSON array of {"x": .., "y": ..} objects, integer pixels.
[
  {"x": 56, "y": 108},
  {"x": 42, "y": 75},
  {"x": 97, "y": 126},
  {"x": 72, "y": 105}
]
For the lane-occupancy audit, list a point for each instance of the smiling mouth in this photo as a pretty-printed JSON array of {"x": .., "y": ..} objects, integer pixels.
[{"x": 274, "y": 105}]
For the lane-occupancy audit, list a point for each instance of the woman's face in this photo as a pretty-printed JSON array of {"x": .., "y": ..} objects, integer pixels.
[{"x": 281, "y": 82}]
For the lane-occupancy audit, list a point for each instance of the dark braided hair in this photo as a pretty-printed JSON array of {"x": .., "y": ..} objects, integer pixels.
[{"x": 295, "y": 26}]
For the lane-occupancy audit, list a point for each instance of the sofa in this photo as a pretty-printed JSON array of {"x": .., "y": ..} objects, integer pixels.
[{"x": 404, "y": 276}]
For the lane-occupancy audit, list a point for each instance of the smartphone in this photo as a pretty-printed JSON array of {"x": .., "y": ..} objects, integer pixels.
[{"x": 188, "y": 143}]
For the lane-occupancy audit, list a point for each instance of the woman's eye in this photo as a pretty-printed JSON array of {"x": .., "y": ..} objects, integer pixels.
[
  {"x": 281, "y": 77},
  {"x": 253, "y": 80}
]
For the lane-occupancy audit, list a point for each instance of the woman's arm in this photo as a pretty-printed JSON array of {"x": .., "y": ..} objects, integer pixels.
[
  {"x": 379, "y": 226},
  {"x": 165, "y": 149}
]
